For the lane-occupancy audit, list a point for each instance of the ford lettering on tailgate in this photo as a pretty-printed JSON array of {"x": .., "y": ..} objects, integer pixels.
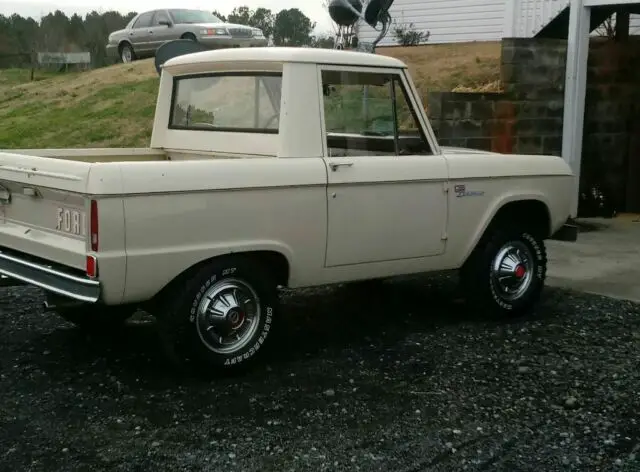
[{"x": 70, "y": 221}]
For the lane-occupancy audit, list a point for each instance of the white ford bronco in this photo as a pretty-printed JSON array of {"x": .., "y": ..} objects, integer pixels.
[{"x": 268, "y": 168}]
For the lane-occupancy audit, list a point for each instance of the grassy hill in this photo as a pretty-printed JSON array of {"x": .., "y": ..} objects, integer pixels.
[{"x": 114, "y": 106}]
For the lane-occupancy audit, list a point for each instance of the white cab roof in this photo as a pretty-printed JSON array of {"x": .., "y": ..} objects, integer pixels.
[{"x": 285, "y": 54}]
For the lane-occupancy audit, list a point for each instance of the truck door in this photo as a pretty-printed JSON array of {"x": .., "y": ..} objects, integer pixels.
[{"x": 386, "y": 188}]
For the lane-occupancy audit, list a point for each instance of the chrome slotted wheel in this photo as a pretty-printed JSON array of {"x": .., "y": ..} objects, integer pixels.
[
  {"x": 512, "y": 270},
  {"x": 126, "y": 55},
  {"x": 228, "y": 316}
]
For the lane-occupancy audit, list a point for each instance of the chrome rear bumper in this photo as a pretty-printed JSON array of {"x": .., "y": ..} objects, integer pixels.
[{"x": 25, "y": 270}]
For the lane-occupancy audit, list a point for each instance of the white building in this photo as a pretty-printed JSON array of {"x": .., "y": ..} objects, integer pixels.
[{"x": 450, "y": 21}]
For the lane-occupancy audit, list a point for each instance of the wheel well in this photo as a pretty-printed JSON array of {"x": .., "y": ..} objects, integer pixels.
[
  {"x": 187, "y": 35},
  {"x": 273, "y": 261},
  {"x": 122, "y": 44},
  {"x": 532, "y": 214}
]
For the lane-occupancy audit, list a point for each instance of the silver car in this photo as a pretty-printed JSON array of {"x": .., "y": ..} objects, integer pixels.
[{"x": 147, "y": 31}]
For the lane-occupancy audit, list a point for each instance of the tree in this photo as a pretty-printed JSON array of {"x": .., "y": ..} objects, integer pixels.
[
  {"x": 240, "y": 15},
  {"x": 407, "y": 35},
  {"x": 292, "y": 28},
  {"x": 263, "y": 18},
  {"x": 219, "y": 15},
  {"x": 323, "y": 42}
]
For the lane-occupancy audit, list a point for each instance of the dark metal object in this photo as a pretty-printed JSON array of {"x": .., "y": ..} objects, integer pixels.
[
  {"x": 178, "y": 47},
  {"x": 346, "y": 14}
]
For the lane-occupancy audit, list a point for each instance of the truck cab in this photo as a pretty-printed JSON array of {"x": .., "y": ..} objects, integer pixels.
[{"x": 358, "y": 113}]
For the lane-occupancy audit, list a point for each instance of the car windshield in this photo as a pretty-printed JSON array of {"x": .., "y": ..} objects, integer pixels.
[{"x": 194, "y": 16}]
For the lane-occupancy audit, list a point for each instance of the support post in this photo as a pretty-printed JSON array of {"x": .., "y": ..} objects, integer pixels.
[
  {"x": 622, "y": 25},
  {"x": 575, "y": 92},
  {"x": 33, "y": 60}
]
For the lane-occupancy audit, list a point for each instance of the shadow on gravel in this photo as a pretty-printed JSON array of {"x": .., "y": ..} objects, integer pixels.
[{"x": 314, "y": 320}]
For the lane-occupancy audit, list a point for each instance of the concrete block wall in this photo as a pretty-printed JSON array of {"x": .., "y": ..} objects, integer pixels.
[
  {"x": 612, "y": 118},
  {"x": 527, "y": 116}
]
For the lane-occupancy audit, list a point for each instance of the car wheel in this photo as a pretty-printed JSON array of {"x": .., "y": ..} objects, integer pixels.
[
  {"x": 221, "y": 318},
  {"x": 505, "y": 274},
  {"x": 97, "y": 318},
  {"x": 126, "y": 53}
]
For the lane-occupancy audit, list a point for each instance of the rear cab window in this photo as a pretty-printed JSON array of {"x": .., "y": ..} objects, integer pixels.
[{"x": 245, "y": 102}]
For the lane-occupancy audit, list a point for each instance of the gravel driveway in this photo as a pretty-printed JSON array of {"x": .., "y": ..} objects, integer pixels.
[{"x": 404, "y": 379}]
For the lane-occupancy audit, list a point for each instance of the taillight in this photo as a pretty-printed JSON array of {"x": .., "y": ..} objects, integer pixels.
[
  {"x": 93, "y": 229},
  {"x": 92, "y": 266}
]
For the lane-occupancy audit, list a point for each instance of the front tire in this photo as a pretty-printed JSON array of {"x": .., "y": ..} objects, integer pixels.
[
  {"x": 222, "y": 317},
  {"x": 126, "y": 53},
  {"x": 505, "y": 274}
]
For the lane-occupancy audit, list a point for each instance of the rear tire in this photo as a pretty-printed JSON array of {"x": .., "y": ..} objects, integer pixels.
[
  {"x": 221, "y": 318},
  {"x": 505, "y": 274},
  {"x": 97, "y": 318}
]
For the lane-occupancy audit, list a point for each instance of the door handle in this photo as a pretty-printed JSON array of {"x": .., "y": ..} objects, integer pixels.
[{"x": 335, "y": 165}]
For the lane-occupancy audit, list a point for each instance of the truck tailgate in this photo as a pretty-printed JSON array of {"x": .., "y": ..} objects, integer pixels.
[{"x": 43, "y": 221}]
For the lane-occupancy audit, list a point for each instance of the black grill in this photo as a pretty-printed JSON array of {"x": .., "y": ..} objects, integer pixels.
[{"x": 240, "y": 32}]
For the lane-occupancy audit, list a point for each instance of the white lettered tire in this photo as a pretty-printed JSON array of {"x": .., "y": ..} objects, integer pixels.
[
  {"x": 505, "y": 274},
  {"x": 221, "y": 318}
]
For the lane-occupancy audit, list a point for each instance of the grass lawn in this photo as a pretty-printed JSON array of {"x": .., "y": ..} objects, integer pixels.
[{"x": 114, "y": 106}]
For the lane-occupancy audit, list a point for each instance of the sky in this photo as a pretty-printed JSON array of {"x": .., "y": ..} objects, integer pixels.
[{"x": 312, "y": 8}]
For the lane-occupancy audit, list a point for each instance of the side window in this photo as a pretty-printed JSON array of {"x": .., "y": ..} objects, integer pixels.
[
  {"x": 369, "y": 114},
  {"x": 411, "y": 138},
  {"x": 160, "y": 16},
  {"x": 144, "y": 21}
]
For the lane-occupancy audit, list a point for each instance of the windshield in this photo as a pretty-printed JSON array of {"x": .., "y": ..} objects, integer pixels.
[{"x": 194, "y": 16}]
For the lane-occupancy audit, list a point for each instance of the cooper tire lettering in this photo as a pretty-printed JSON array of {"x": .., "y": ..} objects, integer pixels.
[
  {"x": 179, "y": 333},
  {"x": 476, "y": 272}
]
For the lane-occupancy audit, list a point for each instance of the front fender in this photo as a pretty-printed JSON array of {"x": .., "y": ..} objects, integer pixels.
[{"x": 492, "y": 210}]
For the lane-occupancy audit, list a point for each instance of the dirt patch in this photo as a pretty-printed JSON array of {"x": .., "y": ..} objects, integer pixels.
[
  {"x": 473, "y": 66},
  {"x": 77, "y": 86}
]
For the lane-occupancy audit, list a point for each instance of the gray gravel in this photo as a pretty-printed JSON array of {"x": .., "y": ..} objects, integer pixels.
[{"x": 408, "y": 380}]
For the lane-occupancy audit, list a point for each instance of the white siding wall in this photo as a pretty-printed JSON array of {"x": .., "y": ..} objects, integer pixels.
[
  {"x": 528, "y": 17},
  {"x": 451, "y": 21},
  {"x": 524, "y": 18},
  {"x": 448, "y": 20}
]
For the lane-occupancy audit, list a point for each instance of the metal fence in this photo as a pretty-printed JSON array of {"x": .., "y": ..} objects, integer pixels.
[{"x": 46, "y": 60}]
